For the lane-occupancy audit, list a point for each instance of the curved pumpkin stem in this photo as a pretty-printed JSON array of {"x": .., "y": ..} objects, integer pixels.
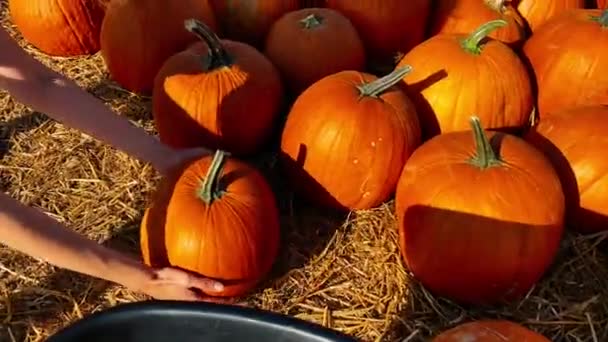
[
  {"x": 312, "y": 21},
  {"x": 497, "y": 5},
  {"x": 602, "y": 19},
  {"x": 377, "y": 87},
  {"x": 218, "y": 57},
  {"x": 485, "y": 157},
  {"x": 210, "y": 189},
  {"x": 472, "y": 43}
]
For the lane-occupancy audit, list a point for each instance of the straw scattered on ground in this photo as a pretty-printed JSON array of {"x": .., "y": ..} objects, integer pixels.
[{"x": 343, "y": 273}]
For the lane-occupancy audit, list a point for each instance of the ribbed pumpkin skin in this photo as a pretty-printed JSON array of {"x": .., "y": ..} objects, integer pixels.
[
  {"x": 62, "y": 28},
  {"x": 602, "y": 4},
  {"x": 234, "y": 239},
  {"x": 133, "y": 49},
  {"x": 490, "y": 331},
  {"x": 538, "y": 12}
]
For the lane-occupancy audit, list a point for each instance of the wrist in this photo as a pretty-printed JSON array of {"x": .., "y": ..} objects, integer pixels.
[{"x": 128, "y": 272}]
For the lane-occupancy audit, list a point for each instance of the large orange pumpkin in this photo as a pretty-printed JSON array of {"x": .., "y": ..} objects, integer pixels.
[
  {"x": 602, "y": 4},
  {"x": 576, "y": 141},
  {"x": 387, "y": 27},
  {"x": 137, "y": 36},
  {"x": 464, "y": 16},
  {"x": 248, "y": 21},
  {"x": 480, "y": 215},
  {"x": 537, "y": 12},
  {"x": 455, "y": 75},
  {"x": 567, "y": 55},
  {"x": 218, "y": 94},
  {"x": 347, "y": 137},
  {"x": 59, "y": 27},
  {"x": 216, "y": 217},
  {"x": 321, "y": 42},
  {"x": 490, "y": 331}
]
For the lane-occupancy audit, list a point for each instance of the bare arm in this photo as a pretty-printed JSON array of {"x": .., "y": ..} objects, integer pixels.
[{"x": 46, "y": 91}]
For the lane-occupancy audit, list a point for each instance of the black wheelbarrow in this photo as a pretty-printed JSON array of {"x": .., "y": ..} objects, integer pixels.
[{"x": 171, "y": 321}]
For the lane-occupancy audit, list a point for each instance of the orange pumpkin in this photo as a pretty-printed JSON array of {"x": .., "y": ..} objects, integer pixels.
[
  {"x": 347, "y": 137},
  {"x": 216, "y": 217},
  {"x": 565, "y": 55},
  {"x": 490, "y": 331},
  {"x": 248, "y": 21},
  {"x": 218, "y": 94},
  {"x": 464, "y": 16},
  {"x": 537, "y": 12},
  {"x": 312, "y": 3},
  {"x": 576, "y": 141},
  {"x": 480, "y": 216},
  {"x": 387, "y": 27},
  {"x": 59, "y": 27},
  {"x": 602, "y": 4},
  {"x": 137, "y": 36},
  {"x": 455, "y": 75},
  {"x": 321, "y": 42}
]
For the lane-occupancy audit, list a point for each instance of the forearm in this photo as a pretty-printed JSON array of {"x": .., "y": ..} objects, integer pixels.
[{"x": 32, "y": 232}]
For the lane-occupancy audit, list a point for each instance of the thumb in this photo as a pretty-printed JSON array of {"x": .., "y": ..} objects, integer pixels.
[{"x": 205, "y": 284}]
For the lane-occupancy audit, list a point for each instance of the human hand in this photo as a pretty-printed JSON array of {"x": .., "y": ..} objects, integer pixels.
[{"x": 174, "y": 284}]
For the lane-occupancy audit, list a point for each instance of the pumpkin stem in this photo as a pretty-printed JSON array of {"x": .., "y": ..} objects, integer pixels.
[
  {"x": 210, "y": 189},
  {"x": 485, "y": 157},
  {"x": 602, "y": 19},
  {"x": 472, "y": 43},
  {"x": 311, "y": 21},
  {"x": 377, "y": 87},
  {"x": 218, "y": 57},
  {"x": 496, "y": 5}
]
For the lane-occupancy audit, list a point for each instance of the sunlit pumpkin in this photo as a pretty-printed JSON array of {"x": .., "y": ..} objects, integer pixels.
[
  {"x": 602, "y": 4},
  {"x": 347, "y": 137},
  {"x": 59, "y": 27},
  {"x": 321, "y": 42},
  {"x": 216, "y": 217},
  {"x": 537, "y": 12},
  {"x": 455, "y": 75},
  {"x": 567, "y": 55},
  {"x": 576, "y": 141},
  {"x": 218, "y": 94},
  {"x": 464, "y": 16},
  {"x": 387, "y": 27},
  {"x": 490, "y": 331},
  {"x": 137, "y": 36},
  {"x": 480, "y": 215},
  {"x": 248, "y": 21}
]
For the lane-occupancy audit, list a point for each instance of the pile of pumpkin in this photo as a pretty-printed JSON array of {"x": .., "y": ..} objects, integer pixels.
[{"x": 489, "y": 128}]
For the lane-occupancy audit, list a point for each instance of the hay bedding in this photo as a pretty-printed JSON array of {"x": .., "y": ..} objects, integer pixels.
[{"x": 344, "y": 273}]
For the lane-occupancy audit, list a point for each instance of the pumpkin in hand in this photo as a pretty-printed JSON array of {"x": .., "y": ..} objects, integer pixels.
[
  {"x": 455, "y": 75},
  {"x": 538, "y": 12},
  {"x": 248, "y": 21},
  {"x": 464, "y": 16},
  {"x": 490, "y": 331},
  {"x": 218, "y": 94},
  {"x": 137, "y": 36},
  {"x": 347, "y": 137},
  {"x": 321, "y": 42},
  {"x": 62, "y": 28},
  {"x": 480, "y": 215},
  {"x": 567, "y": 56},
  {"x": 576, "y": 141},
  {"x": 216, "y": 217}
]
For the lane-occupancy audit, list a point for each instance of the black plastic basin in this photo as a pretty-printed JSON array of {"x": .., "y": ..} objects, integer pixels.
[{"x": 169, "y": 321}]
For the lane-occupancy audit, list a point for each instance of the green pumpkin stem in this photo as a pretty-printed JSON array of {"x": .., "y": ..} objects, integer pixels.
[
  {"x": 210, "y": 189},
  {"x": 218, "y": 56},
  {"x": 485, "y": 157},
  {"x": 311, "y": 21},
  {"x": 602, "y": 18},
  {"x": 472, "y": 43},
  {"x": 379, "y": 86}
]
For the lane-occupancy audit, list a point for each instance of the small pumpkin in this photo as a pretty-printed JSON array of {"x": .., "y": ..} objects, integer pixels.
[
  {"x": 216, "y": 217},
  {"x": 576, "y": 141},
  {"x": 62, "y": 28},
  {"x": 217, "y": 93},
  {"x": 565, "y": 55},
  {"x": 137, "y": 36},
  {"x": 538, "y": 12},
  {"x": 321, "y": 42},
  {"x": 248, "y": 21},
  {"x": 388, "y": 27},
  {"x": 464, "y": 16},
  {"x": 490, "y": 331},
  {"x": 455, "y": 75},
  {"x": 480, "y": 215},
  {"x": 347, "y": 137}
]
